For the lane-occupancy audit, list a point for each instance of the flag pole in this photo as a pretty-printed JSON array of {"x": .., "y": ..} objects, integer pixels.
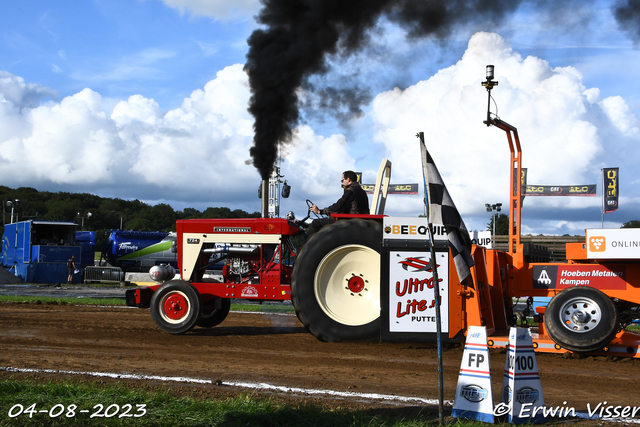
[
  {"x": 436, "y": 289},
  {"x": 602, "y": 199}
]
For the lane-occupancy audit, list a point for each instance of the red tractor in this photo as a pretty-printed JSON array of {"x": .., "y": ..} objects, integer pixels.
[{"x": 333, "y": 282}]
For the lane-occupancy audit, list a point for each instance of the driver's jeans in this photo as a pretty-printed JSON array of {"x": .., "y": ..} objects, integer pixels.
[{"x": 317, "y": 224}]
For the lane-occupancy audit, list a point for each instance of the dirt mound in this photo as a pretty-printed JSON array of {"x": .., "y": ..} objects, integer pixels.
[{"x": 6, "y": 277}]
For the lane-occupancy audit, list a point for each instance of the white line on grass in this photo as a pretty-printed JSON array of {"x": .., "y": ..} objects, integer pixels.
[
  {"x": 257, "y": 386},
  {"x": 266, "y": 386}
]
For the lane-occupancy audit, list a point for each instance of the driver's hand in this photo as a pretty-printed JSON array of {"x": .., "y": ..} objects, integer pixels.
[{"x": 314, "y": 209}]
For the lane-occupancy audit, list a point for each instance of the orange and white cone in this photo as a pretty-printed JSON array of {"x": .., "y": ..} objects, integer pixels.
[
  {"x": 474, "y": 398},
  {"x": 521, "y": 388}
]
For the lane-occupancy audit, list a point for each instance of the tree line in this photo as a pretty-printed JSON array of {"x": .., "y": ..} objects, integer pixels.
[{"x": 106, "y": 213}]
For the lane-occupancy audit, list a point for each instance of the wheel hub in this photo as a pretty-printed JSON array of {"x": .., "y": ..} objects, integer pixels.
[
  {"x": 581, "y": 317},
  {"x": 356, "y": 284},
  {"x": 175, "y": 306},
  {"x": 580, "y": 314}
]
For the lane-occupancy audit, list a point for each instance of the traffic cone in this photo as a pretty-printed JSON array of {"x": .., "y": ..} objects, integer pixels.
[
  {"x": 474, "y": 398},
  {"x": 521, "y": 388}
]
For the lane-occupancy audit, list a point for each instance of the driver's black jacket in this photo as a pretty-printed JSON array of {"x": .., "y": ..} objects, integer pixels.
[{"x": 354, "y": 200}]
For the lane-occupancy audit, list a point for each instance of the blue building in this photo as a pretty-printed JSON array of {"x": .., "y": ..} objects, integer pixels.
[{"x": 38, "y": 251}]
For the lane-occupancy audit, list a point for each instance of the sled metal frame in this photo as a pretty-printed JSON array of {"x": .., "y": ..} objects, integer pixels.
[
  {"x": 381, "y": 189},
  {"x": 498, "y": 277},
  {"x": 623, "y": 344}
]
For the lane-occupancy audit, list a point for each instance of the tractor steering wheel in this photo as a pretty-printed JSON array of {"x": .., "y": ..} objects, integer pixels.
[{"x": 309, "y": 212}]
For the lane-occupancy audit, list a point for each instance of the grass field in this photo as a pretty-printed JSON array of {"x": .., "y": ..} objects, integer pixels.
[
  {"x": 268, "y": 308},
  {"x": 61, "y": 403}
]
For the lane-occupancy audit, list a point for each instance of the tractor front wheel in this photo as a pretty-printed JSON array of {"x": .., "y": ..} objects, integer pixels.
[{"x": 175, "y": 307}]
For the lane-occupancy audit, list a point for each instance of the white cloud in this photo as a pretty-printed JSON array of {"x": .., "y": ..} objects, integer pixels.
[
  {"x": 71, "y": 142},
  {"x": 21, "y": 94},
  {"x": 208, "y": 49},
  {"x": 317, "y": 163},
  {"x": 220, "y": 9},
  {"x": 621, "y": 115},
  {"x": 184, "y": 154},
  {"x": 198, "y": 147},
  {"x": 144, "y": 63},
  {"x": 136, "y": 108},
  {"x": 560, "y": 125}
]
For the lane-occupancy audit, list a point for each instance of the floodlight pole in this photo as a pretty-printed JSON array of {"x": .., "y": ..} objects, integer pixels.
[
  {"x": 83, "y": 218},
  {"x": 12, "y": 203},
  {"x": 489, "y": 84},
  {"x": 494, "y": 208},
  {"x": 515, "y": 198}
]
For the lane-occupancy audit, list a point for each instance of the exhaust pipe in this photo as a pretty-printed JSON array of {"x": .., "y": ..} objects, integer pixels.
[{"x": 264, "y": 199}]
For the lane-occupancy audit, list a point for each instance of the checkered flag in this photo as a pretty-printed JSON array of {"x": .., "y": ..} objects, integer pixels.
[{"x": 442, "y": 210}]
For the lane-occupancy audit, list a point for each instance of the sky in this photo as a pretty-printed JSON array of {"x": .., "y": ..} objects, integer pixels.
[{"x": 147, "y": 99}]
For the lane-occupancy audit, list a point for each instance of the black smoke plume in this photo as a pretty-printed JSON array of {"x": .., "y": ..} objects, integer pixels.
[
  {"x": 627, "y": 13},
  {"x": 301, "y": 34}
]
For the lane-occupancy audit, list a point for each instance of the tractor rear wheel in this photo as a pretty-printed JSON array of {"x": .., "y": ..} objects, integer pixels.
[
  {"x": 175, "y": 307},
  {"x": 581, "y": 319},
  {"x": 211, "y": 316},
  {"x": 335, "y": 285}
]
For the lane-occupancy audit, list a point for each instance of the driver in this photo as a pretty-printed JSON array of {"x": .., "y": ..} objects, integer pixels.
[{"x": 354, "y": 200}]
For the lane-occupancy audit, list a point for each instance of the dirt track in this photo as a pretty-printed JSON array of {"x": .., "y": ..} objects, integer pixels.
[{"x": 276, "y": 349}]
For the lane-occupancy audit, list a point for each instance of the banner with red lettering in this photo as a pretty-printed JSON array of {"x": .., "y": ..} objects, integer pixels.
[
  {"x": 600, "y": 276},
  {"x": 411, "y": 291}
]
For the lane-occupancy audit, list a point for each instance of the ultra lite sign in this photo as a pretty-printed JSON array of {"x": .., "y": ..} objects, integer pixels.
[
  {"x": 613, "y": 243},
  {"x": 412, "y": 301}
]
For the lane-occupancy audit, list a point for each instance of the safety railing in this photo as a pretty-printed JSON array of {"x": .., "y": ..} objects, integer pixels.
[{"x": 103, "y": 274}]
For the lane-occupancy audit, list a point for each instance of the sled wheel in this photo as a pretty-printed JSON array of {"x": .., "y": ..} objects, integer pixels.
[
  {"x": 211, "y": 316},
  {"x": 335, "y": 285},
  {"x": 175, "y": 307},
  {"x": 581, "y": 319}
]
